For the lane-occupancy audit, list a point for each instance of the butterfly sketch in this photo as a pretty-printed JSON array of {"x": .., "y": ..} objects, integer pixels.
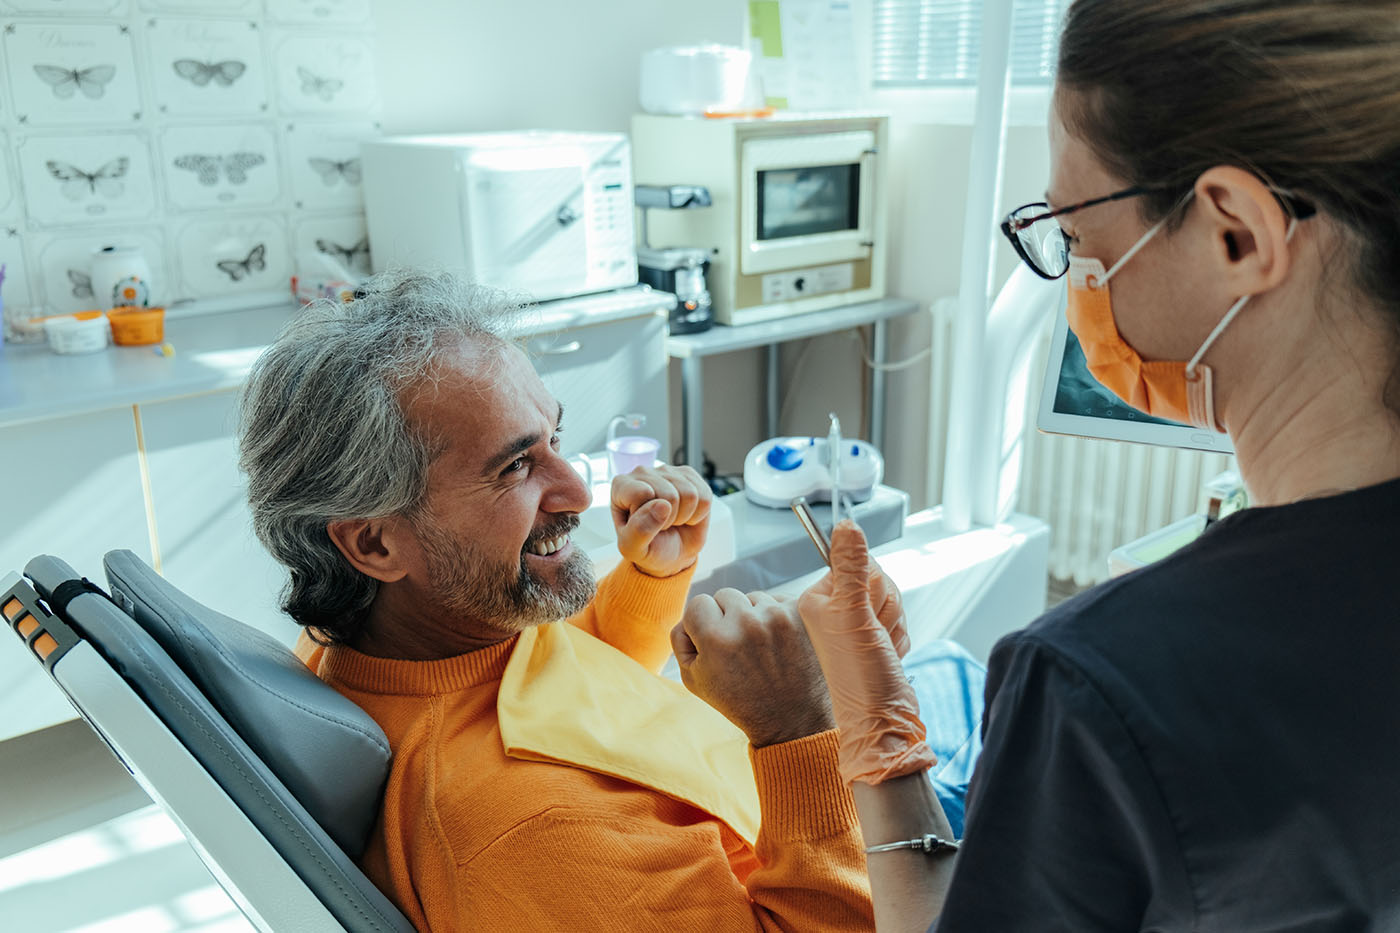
[
  {"x": 235, "y": 166},
  {"x": 65, "y": 82},
  {"x": 81, "y": 282},
  {"x": 354, "y": 258},
  {"x": 324, "y": 88},
  {"x": 78, "y": 184},
  {"x": 201, "y": 73},
  {"x": 239, "y": 269},
  {"x": 332, "y": 170}
]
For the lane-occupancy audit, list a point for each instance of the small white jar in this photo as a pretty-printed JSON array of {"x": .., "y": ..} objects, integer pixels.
[
  {"x": 120, "y": 277},
  {"x": 69, "y": 334}
]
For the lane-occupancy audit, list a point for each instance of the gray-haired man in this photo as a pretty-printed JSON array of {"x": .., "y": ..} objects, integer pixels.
[{"x": 403, "y": 462}]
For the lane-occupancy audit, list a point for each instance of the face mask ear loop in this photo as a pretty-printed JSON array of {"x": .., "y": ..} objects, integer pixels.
[
  {"x": 1229, "y": 316},
  {"x": 1146, "y": 238}
]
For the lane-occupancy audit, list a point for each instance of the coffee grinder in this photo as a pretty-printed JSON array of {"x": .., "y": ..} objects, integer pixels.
[{"x": 679, "y": 270}]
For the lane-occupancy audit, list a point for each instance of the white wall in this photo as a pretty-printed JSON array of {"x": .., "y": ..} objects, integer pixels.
[{"x": 477, "y": 65}]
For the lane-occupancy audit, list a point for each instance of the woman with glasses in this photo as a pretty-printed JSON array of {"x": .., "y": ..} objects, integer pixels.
[{"x": 1211, "y": 743}]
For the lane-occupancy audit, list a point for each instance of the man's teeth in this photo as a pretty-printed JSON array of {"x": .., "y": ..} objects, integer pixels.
[{"x": 545, "y": 548}]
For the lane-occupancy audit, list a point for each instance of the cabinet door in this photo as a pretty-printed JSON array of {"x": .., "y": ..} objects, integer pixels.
[
  {"x": 600, "y": 371},
  {"x": 203, "y": 524},
  {"x": 71, "y": 488}
]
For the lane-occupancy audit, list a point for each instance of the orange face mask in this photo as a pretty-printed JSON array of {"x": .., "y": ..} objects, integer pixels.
[{"x": 1176, "y": 391}]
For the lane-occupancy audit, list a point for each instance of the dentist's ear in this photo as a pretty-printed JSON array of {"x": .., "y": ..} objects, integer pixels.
[
  {"x": 374, "y": 547},
  {"x": 1249, "y": 226}
]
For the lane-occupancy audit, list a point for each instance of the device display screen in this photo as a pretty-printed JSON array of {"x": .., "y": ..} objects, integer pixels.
[
  {"x": 804, "y": 201},
  {"x": 1079, "y": 393}
]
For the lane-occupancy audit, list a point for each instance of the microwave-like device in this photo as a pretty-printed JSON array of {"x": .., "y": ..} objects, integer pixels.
[
  {"x": 797, "y": 218},
  {"x": 544, "y": 213}
]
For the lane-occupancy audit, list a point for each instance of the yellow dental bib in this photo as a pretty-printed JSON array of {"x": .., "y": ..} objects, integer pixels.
[{"x": 569, "y": 698}]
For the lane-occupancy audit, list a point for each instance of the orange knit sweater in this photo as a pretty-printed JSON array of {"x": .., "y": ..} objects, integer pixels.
[{"x": 472, "y": 839}]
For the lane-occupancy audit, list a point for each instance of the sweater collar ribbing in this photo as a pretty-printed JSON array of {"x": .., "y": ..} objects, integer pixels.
[{"x": 346, "y": 666}]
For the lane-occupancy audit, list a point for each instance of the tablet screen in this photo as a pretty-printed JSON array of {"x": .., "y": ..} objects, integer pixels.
[{"x": 1074, "y": 402}]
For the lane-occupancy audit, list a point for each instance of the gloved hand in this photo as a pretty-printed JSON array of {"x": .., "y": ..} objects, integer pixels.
[{"x": 874, "y": 705}]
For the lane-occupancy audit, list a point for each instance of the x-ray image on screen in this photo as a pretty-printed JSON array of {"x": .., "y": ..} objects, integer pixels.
[{"x": 1079, "y": 393}]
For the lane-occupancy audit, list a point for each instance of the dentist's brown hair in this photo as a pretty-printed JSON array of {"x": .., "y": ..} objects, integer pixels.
[{"x": 1304, "y": 93}]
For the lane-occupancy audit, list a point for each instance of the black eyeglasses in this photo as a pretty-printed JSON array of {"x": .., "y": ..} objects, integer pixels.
[
  {"x": 1042, "y": 244},
  {"x": 1039, "y": 240}
]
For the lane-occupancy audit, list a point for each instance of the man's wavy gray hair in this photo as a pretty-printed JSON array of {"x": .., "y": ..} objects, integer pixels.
[{"x": 323, "y": 436}]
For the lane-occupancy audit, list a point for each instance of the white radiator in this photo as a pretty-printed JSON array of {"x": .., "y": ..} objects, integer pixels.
[{"x": 1095, "y": 495}]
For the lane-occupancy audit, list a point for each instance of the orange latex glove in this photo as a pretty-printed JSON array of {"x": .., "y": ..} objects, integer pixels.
[{"x": 874, "y": 705}]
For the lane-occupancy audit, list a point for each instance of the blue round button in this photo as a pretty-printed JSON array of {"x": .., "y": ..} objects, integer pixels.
[{"x": 784, "y": 458}]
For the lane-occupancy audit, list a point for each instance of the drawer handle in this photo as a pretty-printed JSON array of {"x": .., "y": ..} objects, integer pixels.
[{"x": 559, "y": 349}]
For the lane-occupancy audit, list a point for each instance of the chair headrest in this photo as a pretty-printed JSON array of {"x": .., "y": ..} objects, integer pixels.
[{"x": 327, "y": 751}]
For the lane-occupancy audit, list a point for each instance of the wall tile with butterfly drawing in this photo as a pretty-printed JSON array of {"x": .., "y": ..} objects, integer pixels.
[
  {"x": 72, "y": 74},
  {"x": 220, "y": 166},
  {"x": 323, "y": 163},
  {"x": 82, "y": 179},
  {"x": 344, "y": 238},
  {"x": 327, "y": 74},
  {"x": 207, "y": 67},
  {"x": 234, "y": 255}
]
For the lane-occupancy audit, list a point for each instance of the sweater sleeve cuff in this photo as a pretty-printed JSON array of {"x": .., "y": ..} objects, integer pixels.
[
  {"x": 800, "y": 791},
  {"x": 636, "y": 595}
]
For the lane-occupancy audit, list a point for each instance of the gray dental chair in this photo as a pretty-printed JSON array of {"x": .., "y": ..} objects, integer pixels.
[{"x": 274, "y": 777}]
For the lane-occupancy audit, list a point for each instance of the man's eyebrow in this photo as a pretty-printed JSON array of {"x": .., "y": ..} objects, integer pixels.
[{"x": 517, "y": 447}]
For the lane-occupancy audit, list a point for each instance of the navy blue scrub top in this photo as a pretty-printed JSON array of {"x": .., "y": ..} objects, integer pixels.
[{"x": 1211, "y": 743}]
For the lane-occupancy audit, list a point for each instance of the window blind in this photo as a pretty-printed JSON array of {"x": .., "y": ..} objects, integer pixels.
[{"x": 935, "y": 43}]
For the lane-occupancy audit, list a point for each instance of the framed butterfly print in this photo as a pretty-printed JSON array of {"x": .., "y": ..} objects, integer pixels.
[
  {"x": 239, "y": 255},
  {"x": 344, "y": 239},
  {"x": 324, "y": 74},
  {"x": 319, "y": 11},
  {"x": 220, "y": 166},
  {"x": 81, "y": 179},
  {"x": 207, "y": 67},
  {"x": 323, "y": 164},
  {"x": 67, "y": 74},
  {"x": 65, "y": 262}
]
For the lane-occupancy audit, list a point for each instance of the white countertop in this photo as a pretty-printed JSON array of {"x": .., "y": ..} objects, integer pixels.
[{"x": 215, "y": 352}]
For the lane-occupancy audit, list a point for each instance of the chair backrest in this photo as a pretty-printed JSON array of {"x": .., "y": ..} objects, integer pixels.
[{"x": 273, "y": 776}]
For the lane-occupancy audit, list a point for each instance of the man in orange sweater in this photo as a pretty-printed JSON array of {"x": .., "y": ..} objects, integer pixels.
[{"x": 403, "y": 462}]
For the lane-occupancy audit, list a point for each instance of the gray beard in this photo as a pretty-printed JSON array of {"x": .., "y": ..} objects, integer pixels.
[{"x": 506, "y": 597}]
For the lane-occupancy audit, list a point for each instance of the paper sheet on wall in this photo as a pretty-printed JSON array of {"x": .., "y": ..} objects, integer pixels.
[{"x": 804, "y": 52}]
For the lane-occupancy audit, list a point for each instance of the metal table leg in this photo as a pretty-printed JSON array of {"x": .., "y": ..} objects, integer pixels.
[
  {"x": 773, "y": 374},
  {"x": 878, "y": 347},
  {"x": 692, "y": 412}
]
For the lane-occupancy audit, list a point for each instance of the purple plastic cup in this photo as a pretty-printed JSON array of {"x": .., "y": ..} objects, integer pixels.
[{"x": 630, "y": 451}]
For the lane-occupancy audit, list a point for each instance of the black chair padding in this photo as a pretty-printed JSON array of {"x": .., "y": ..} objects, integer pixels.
[{"x": 189, "y": 710}]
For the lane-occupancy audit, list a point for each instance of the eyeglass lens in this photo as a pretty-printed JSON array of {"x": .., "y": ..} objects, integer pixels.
[{"x": 1044, "y": 242}]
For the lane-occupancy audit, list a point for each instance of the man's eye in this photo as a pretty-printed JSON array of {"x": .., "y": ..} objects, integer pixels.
[
  {"x": 554, "y": 441},
  {"x": 514, "y": 466}
]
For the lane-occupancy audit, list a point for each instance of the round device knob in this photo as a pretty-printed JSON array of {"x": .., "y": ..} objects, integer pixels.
[{"x": 784, "y": 458}]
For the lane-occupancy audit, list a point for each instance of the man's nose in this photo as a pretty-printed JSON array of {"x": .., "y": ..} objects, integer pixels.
[{"x": 567, "y": 491}]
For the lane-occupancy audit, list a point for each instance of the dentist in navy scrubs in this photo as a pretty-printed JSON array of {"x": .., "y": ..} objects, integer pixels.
[{"x": 1211, "y": 743}]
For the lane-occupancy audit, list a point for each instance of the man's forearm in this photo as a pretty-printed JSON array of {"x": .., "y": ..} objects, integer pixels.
[
  {"x": 908, "y": 886},
  {"x": 812, "y": 874}
]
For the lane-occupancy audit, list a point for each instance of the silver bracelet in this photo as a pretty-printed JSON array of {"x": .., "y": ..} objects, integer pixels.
[{"x": 927, "y": 844}]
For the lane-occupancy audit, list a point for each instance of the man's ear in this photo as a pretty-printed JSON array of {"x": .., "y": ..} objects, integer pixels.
[
  {"x": 1249, "y": 226},
  {"x": 374, "y": 547}
]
